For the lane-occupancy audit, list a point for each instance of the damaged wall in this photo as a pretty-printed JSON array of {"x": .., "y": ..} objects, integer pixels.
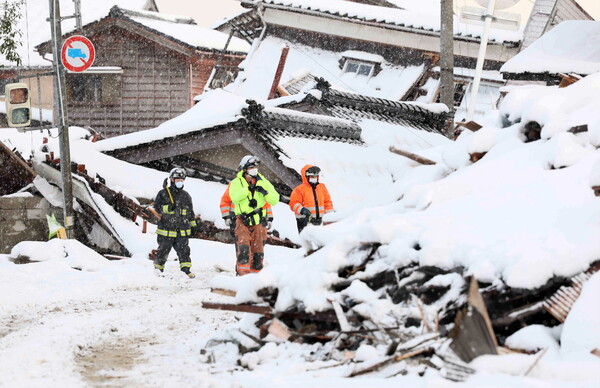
[{"x": 24, "y": 219}]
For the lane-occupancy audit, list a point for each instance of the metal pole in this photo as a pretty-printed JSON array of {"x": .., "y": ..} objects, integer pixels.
[
  {"x": 77, "y": 4},
  {"x": 447, "y": 58},
  {"x": 481, "y": 58},
  {"x": 39, "y": 92},
  {"x": 63, "y": 129}
]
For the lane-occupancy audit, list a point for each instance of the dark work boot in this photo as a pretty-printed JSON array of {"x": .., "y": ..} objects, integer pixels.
[
  {"x": 257, "y": 262},
  {"x": 242, "y": 266}
]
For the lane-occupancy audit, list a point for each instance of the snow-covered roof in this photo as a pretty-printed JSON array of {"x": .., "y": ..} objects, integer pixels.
[
  {"x": 358, "y": 108},
  {"x": 184, "y": 30},
  {"x": 391, "y": 83},
  {"x": 215, "y": 108},
  {"x": 421, "y": 15},
  {"x": 35, "y": 29},
  {"x": 571, "y": 47}
]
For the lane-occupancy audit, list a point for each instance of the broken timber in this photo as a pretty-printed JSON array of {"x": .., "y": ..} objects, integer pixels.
[
  {"x": 223, "y": 291},
  {"x": 15, "y": 173},
  {"x": 473, "y": 334},
  {"x": 267, "y": 311},
  {"x": 397, "y": 358},
  {"x": 411, "y": 156}
]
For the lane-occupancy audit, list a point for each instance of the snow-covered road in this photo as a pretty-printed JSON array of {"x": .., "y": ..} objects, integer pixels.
[{"x": 129, "y": 336}]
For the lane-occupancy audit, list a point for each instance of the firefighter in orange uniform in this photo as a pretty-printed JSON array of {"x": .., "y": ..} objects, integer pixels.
[{"x": 310, "y": 200}]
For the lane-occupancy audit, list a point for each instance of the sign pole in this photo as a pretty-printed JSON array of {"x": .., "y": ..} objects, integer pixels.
[{"x": 63, "y": 128}]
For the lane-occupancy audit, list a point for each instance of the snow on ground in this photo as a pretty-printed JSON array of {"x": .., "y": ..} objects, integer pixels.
[{"x": 522, "y": 214}]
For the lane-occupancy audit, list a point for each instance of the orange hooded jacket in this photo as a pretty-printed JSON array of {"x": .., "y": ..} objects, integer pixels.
[
  {"x": 316, "y": 199},
  {"x": 227, "y": 206}
]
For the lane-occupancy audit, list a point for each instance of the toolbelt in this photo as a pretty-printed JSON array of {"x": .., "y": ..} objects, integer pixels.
[{"x": 248, "y": 218}]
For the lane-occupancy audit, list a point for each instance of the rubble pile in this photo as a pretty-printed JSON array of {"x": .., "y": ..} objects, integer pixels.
[{"x": 423, "y": 316}]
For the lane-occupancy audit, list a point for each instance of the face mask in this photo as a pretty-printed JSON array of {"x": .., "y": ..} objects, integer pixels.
[
  {"x": 253, "y": 171},
  {"x": 179, "y": 185},
  {"x": 313, "y": 179}
]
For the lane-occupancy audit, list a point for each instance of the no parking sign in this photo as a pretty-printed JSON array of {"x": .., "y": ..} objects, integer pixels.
[{"x": 77, "y": 53}]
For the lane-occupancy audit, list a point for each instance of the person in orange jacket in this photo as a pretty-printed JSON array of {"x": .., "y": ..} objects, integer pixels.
[
  {"x": 228, "y": 215},
  {"x": 310, "y": 200}
]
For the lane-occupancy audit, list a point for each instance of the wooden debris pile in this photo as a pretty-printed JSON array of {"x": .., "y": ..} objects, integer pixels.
[
  {"x": 132, "y": 209},
  {"x": 466, "y": 318}
]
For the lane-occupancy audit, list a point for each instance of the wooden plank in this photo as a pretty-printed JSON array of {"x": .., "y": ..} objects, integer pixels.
[
  {"x": 325, "y": 316},
  {"x": 279, "y": 329},
  {"x": 245, "y": 308},
  {"x": 475, "y": 299},
  {"x": 339, "y": 313},
  {"x": 397, "y": 358},
  {"x": 222, "y": 291},
  {"x": 411, "y": 156}
]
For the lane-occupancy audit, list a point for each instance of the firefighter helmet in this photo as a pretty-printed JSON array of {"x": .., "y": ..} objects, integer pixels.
[
  {"x": 177, "y": 173},
  {"x": 249, "y": 161}
]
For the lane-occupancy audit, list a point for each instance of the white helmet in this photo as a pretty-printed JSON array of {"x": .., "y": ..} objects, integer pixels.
[
  {"x": 249, "y": 161},
  {"x": 177, "y": 173}
]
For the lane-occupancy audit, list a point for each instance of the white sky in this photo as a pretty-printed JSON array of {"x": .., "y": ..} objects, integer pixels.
[{"x": 207, "y": 12}]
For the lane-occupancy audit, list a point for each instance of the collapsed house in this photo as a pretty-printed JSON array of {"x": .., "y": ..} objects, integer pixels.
[
  {"x": 455, "y": 266},
  {"x": 209, "y": 143}
]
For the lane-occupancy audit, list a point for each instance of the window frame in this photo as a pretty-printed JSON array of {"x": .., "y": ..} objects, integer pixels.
[
  {"x": 359, "y": 64},
  {"x": 103, "y": 89}
]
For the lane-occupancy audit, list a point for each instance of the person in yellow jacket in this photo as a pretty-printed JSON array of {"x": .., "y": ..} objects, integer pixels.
[
  {"x": 310, "y": 200},
  {"x": 249, "y": 192}
]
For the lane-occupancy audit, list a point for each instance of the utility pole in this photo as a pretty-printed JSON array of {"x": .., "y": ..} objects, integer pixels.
[
  {"x": 61, "y": 117},
  {"x": 447, "y": 58},
  {"x": 77, "y": 5}
]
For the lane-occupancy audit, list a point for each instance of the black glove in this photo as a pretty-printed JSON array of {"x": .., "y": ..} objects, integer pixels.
[
  {"x": 305, "y": 212},
  {"x": 171, "y": 207},
  {"x": 261, "y": 190},
  {"x": 252, "y": 203}
]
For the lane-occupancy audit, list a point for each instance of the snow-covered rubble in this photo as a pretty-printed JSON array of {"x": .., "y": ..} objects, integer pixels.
[{"x": 520, "y": 219}]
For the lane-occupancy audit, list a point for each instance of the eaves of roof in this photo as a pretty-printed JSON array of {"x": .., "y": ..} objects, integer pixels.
[
  {"x": 366, "y": 21},
  {"x": 357, "y": 107},
  {"x": 529, "y": 76}
]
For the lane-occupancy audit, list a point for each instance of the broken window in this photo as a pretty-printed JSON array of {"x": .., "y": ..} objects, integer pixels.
[
  {"x": 460, "y": 88},
  {"x": 222, "y": 76},
  {"x": 459, "y": 93}
]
